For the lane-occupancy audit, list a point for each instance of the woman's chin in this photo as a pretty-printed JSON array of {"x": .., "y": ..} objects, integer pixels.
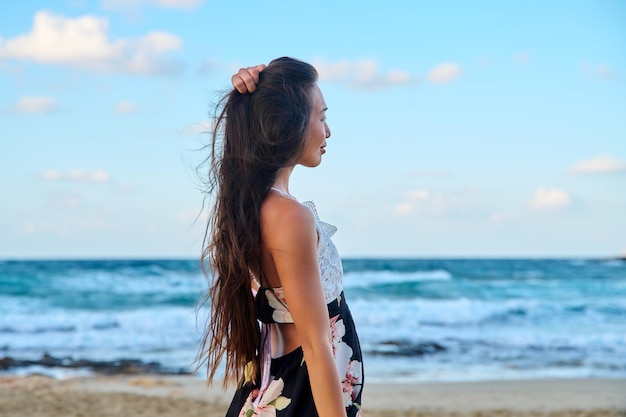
[{"x": 311, "y": 163}]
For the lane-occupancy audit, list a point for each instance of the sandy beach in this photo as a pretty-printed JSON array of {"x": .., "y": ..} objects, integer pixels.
[{"x": 187, "y": 396}]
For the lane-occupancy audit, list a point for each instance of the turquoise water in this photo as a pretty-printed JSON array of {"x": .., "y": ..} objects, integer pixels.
[{"x": 421, "y": 319}]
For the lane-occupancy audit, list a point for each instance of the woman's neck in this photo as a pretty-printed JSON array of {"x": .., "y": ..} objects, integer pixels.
[{"x": 282, "y": 179}]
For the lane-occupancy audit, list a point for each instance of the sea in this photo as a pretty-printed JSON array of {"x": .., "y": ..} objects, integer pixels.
[{"x": 419, "y": 320}]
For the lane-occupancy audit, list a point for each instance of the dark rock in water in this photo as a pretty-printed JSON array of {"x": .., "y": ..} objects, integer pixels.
[
  {"x": 401, "y": 348},
  {"x": 122, "y": 366},
  {"x": 7, "y": 362}
]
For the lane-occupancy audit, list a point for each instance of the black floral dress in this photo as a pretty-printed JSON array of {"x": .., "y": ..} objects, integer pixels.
[{"x": 284, "y": 389}]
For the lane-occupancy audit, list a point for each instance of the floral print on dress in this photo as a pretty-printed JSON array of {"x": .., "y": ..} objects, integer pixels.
[
  {"x": 269, "y": 403},
  {"x": 276, "y": 300},
  {"x": 350, "y": 371},
  {"x": 351, "y": 384}
]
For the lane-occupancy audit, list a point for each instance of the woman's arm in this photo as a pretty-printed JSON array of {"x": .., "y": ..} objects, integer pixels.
[{"x": 291, "y": 237}]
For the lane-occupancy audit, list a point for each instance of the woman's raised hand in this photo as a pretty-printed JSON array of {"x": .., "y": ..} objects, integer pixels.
[{"x": 246, "y": 79}]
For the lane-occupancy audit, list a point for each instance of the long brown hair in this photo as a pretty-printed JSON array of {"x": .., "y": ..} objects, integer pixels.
[{"x": 255, "y": 134}]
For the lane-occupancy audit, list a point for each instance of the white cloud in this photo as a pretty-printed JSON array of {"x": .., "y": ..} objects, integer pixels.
[
  {"x": 76, "y": 175},
  {"x": 553, "y": 198},
  {"x": 51, "y": 175},
  {"x": 398, "y": 77},
  {"x": 483, "y": 62},
  {"x": 600, "y": 70},
  {"x": 205, "y": 126},
  {"x": 604, "y": 71},
  {"x": 521, "y": 57},
  {"x": 500, "y": 217},
  {"x": 36, "y": 104},
  {"x": 98, "y": 176},
  {"x": 334, "y": 71},
  {"x": 361, "y": 74},
  {"x": 125, "y": 107},
  {"x": 444, "y": 73},
  {"x": 73, "y": 202},
  {"x": 207, "y": 67},
  {"x": 412, "y": 201},
  {"x": 77, "y": 3},
  {"x": 425, "y": 202},
  {"x": 431, "y": 173},
  {"x": 30, "y": 228},
  {"x": 602, "y": 164},
  {"x": 135, "y": 4},
  {"x": 182, "y": 4},
  {"x": 74, "y": 226},
  {"x": 84, "y": 42},
  {"x": 126, "y": 187},
  {"x": 44, "y": 227},
  {"x": 189, "y": 216}
]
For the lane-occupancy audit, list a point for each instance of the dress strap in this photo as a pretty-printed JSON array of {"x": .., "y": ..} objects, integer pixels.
[
  {"x": 256, "y": 281},
  {"x": 284, "y": 194},
  {"x": 265, "y": 361}
]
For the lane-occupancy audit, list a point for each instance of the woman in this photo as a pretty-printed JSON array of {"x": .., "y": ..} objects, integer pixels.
[{"x": 272, "y": 259}]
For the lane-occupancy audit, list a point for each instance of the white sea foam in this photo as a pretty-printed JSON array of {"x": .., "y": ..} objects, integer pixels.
[
  {"x": 147, "y": 333},
  {"x": 371, "y": 278},
  {"x": 54, "y": 372}
]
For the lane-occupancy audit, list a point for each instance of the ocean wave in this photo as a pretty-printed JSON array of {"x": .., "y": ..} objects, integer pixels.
[
  {"x": 539, "y": 317},
  {"x": 373, "y": 278},
  {"x": 446, "y": 312},
  {"x": 614, "y": 263},
  {"x": 70, "y": 331}
]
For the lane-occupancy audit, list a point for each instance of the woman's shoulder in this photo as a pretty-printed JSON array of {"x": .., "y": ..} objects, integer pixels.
[{"x": 282, "y": 216}]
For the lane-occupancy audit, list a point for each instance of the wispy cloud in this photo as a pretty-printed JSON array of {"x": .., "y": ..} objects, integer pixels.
[
  {"x": 74, "y": 226},
  {"x": 549, "y": 198},
  {"x": 85, "y": 44},
  {"x": 207, "y": 67},
  {"x": 36, "y": 104},
  {"x": 66, "y": 201},
  {"x": 600, "y": 70},
  {"x": 521, "y": 57},
  {"x": 483, "y": 62},
  {"x": 363, "y": 74},
  {"x": 423, "y": 201},
  {"x": 603, "y": 164},
  {"x": 32, "y": 228},
  {"x": 605, "y": 71},
  {"x": 125, "y": 107},
  {"x": 204, "y": 126},
  {"x": 444, "y": 73},
  {"x": 413, "y": 200},
  {"x": 431, "y": 173},
  {"x": 502, "y": 216},
  {"x": 78, "y": 174},
  {"x": 135, "y": 4}
]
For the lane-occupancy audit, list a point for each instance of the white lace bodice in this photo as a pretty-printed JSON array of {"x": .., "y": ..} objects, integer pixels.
[{"x": 331, "y": 269}]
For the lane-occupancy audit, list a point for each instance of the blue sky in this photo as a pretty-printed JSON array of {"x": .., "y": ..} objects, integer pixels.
[{"x": 459, "y": 129}]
